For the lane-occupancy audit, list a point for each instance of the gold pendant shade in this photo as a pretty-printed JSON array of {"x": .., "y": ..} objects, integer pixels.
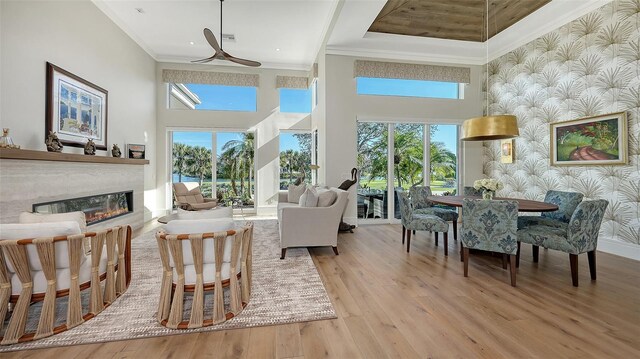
[{"x": 489, "y": 128}]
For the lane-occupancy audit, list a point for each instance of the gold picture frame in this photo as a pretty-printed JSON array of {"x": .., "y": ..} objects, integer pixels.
[
  {"x": 590, "y": 141},
  {"x": 507, "y": 151}
]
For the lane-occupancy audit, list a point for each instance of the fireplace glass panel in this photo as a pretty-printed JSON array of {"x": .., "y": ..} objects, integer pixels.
[{"x": 96, "y": 208}]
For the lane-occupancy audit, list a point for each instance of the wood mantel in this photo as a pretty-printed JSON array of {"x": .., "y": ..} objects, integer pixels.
[{"x": 32, "y": 155}]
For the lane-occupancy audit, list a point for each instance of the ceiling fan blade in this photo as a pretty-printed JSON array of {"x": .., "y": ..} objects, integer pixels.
[
  {"x": 211, "y": 38},
  {"x": 202, "y": 61},
  {"x": 240, "y": 61}
]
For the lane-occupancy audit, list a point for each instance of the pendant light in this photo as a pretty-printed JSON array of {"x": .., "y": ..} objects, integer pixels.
[{"x": 487, "y": 128}]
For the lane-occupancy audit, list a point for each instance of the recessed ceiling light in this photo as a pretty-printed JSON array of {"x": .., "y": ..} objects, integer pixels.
[
  {"x": 277, "y": 49},
  {"x": 191, "y": 43},
  {"x": 140, "y": 10}
]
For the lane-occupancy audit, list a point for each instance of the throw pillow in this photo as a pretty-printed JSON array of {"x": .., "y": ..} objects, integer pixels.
[
  {"x": 28, "y": 217},
  {"x": 326, "y": 197},
  {"x": 186, "y": 226},
  {"x": 295, "y": 192},
  {"x": 309, "y": 198}
]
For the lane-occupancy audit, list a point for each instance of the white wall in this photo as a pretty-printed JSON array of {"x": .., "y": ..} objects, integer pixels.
[
  {"x": 267, "y": 121},
  {"x": 344, "y": 107},
  {"x": 78, "y": 37}
]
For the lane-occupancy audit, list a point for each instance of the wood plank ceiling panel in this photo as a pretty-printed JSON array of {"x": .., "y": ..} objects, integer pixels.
[{"x": 452, "y": 19}]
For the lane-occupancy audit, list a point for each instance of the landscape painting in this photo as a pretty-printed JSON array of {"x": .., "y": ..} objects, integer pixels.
[
  {"x": 598, "y": 140},
  {"x": 76, "y": 109}
]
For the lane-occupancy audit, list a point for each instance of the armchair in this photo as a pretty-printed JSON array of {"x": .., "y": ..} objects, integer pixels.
[
  {"x": 412, "y": 221},
  {"x": 187, "y": 196},
  {"x": 580, "y": 235},
  {"x": 490, "y": 226}
]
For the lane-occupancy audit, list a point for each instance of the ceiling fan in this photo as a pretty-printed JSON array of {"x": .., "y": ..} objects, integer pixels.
[{"x": 220, "y": 54}]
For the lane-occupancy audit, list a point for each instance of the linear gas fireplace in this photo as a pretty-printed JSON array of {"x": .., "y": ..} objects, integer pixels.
[{"x": 96, "y": 208}]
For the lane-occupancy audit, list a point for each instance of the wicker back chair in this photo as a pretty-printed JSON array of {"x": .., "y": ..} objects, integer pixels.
[
  {"x": 187, "y": 267},
  {"x": 44, "y": 269}
]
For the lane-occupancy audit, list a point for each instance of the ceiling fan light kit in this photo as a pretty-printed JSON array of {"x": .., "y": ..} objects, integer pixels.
[{"x": 220, "y": 54}]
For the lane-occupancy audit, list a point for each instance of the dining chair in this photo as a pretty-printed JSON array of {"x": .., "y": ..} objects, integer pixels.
[
  {"x": 490, "y": 226},
  {"x": 412, "y": 221},
  {"x": 422, "y": 205},
  {"x": 580, "y": 235},
  {"x": 566, "y": 202}
]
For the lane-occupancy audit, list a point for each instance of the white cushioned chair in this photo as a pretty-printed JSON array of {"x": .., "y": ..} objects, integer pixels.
[
  {"x": 310, "y": 226},
  {"x": 40, "y": 262},
  {"x": 187, "y": 196},
  {"x": 199, "y": 256}
]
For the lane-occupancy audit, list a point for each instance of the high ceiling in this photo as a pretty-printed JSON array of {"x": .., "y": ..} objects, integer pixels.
[
  {"x": 452, "y": 19},
  {"x": 289, "y": 33}
]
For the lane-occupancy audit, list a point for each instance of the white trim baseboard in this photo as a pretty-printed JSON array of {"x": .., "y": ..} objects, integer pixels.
[{"x": 619, "y": 248}]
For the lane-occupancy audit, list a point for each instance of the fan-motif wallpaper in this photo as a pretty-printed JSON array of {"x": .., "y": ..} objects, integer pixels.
[{"x": 588, "y": 67}]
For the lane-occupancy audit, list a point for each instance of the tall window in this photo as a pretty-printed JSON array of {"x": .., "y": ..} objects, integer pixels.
[
  {"x": 192, "y": 159},
  {"x": 212, "y": 97},
  {"x": 394, "y": 155},
  {"x": 295, "y": 158},
  {"x": 407, "y": 88}
]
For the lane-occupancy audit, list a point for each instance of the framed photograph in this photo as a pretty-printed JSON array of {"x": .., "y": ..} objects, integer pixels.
[
  {"x": 75, "y": 108},
  {"x": 135, "y": 151},
  {"x": 507, "y": 151},
  {"x": 598, "y": 140}
]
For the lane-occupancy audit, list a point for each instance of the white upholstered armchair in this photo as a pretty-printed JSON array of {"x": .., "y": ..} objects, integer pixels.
[{"x": 310, "y": 226}]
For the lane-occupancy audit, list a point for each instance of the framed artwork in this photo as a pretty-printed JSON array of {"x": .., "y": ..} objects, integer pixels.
[
  {"x": 135, "y": 151},
  {"x": 598, "y": 140},
  {"x": 507, "y": 151},
  {"x": 75, "y": 108}
]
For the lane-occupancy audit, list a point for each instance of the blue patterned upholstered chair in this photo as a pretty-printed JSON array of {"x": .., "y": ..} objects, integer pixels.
[
  {"x": 421, "y": 205},
  {"x": 580, "y": 235},
  {"x": 490, "y": 226},
  {"x": 470, "y": 191},
  {"x": 412, "y": 221},
  {"x": 566, "y": 202}
]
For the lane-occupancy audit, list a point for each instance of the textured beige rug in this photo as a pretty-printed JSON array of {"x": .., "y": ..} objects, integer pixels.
[{"x": 284, "y": 291}]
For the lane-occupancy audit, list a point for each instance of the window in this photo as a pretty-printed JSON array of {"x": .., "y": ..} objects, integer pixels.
[
  {"x": 213, "y": 97},
  {"x": 295, "y": 158},
  {"x": 407, "y": 88},
  {"x": 295, "y": 100}
]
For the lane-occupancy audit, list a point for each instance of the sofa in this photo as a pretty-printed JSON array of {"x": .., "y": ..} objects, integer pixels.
[{"x": 310, "y": 226}]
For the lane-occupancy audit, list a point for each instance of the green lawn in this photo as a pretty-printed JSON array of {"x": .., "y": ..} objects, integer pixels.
[{"x": 436, "y": 186}]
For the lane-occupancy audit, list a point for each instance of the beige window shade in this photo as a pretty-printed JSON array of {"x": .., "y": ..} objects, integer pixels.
[
  {"x": 211, "y": 78},
  {"x": 395, "y": 70},
  {"x": 292, "y": 82}
]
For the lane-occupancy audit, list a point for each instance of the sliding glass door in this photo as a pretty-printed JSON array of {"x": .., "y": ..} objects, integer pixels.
[
  {"x": 400, "y": 155},
  {"x": 221, "y": 162}
]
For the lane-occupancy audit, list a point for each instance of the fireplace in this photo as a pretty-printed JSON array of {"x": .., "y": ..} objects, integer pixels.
[{"x": 96, "y": 208}]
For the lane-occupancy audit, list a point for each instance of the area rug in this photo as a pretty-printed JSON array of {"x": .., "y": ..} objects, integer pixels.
[{"x": 284, "y": 291}]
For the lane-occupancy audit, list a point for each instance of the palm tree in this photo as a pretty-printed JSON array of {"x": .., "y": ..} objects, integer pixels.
[
  {"x": 443, "y": 161},
  {"x": 200, "y": 162},
  {"x": 242, "y": 151},
  {"x": 180, "y": 158}
]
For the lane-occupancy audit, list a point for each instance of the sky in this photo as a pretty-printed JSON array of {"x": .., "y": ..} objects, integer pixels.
[{"x": 237, "y": 98}]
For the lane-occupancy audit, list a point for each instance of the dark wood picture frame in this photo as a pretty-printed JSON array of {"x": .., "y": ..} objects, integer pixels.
[{"x": 92, "y": 92}]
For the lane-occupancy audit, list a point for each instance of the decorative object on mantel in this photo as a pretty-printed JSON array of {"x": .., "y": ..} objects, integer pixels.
[
  {"x": 346, "y": 227},
  {"x": 6, "y": 141},
  {"x": 507, "y": 150},
  {"x": 75, "y": 108},
  {"x": 135, "y": 151},
  {"x": 115, "y": 151},
  {"x": 53, "y": 143},
  {"x": 90, "y": 148},
  {"x": 489, "y": 186},
  {"x": 597, "y": 140}
]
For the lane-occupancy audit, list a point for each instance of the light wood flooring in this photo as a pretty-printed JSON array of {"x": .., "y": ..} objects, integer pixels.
[{"x": 394, "y": 304}]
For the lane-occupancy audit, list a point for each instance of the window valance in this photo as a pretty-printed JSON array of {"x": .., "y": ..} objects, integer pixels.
[
  {"x": 210, "y": 77},
  {"x": 292, "y": 82},
  {"x": 395, "y": 70}
]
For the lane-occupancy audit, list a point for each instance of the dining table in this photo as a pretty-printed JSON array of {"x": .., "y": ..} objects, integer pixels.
[{"x": 524, "y": 205}]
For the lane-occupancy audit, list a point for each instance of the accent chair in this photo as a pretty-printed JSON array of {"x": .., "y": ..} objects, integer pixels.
[
  {"x": 412, "y": 221},
  {"x": 490, "y": 225},
  {"x": 580, "y": 235},
  {"x": 188, "y": 196}
]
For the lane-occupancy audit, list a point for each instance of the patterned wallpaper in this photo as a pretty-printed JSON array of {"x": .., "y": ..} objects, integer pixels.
[{"x": 588, "y": 67}]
